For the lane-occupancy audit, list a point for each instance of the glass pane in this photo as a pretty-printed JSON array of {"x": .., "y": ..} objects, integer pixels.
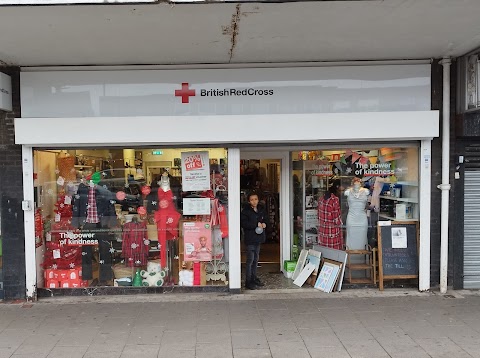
[
  {"x": 131, "y": 217},
  {"x": 339, "y": 195}
]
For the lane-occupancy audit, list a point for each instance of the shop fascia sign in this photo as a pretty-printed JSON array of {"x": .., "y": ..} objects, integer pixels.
[
  {"x": 186, "y": 92},
  {"x": 5, "y": 92}
]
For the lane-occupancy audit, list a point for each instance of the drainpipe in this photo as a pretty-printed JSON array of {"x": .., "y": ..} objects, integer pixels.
[{"x": 445, "y": 186}]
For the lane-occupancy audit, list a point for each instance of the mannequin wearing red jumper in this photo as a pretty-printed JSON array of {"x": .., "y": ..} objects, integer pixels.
[{"x": 166, "y": 217}]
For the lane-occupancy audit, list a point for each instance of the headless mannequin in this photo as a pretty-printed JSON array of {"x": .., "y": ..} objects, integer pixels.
[
  {"x": 164, "y": 182},
  {"x": 357, "y": 222},
  {"x": 97, "y": 224},
  {"x": 166, "y": 217}
]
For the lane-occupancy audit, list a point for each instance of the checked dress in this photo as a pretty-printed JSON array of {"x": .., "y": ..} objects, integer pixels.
[{"x": 330, "y": 223}]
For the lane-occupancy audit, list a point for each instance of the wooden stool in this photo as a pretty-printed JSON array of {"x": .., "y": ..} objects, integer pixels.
[{"x": 369, "y": 267}]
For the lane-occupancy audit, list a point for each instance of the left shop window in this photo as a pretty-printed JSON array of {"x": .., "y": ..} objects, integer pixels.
[{"x": 131, "y": 217}]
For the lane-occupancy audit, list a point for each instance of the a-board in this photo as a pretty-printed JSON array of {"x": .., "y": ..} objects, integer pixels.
[{"x": 397, "y": 250}]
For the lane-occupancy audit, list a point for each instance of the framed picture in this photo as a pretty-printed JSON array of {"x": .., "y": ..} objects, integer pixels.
[
  {"x": 300, "y": 263},
  {"x": 304, "y": 275},
  {"x": 338, "y": 263},
  {"x": 327, "y": 277},
  {"x": 313, "y": 257}
]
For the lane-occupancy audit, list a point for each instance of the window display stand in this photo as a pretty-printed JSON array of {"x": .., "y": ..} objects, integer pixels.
[
  {"x": 369, "y": 266},
  {"x": 216, "y": 268}
]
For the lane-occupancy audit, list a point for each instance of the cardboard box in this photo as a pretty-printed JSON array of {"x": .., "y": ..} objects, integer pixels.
[
  {"x": 289, "y": 265},
  {"x": 72, "y": 274},
  {"x": 76, "y": 283},
  {"x": 403, "y": 211},
  {"x": 52, "y": 284}
]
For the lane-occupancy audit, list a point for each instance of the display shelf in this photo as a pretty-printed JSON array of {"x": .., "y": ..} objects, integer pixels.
[
  {"x": 368, "y": 266},
  {"x": 384, "y": 216},
  {"x": 359, "y": 280},
  {"x": 359, "y": 266},
  {"x": 407, "y": 183},
  {"x": 407, "y": 200}
]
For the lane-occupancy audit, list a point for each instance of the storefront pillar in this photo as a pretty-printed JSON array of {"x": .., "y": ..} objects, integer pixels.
[
  {"x": 29, "y": 218},
  {"x": 234, "y": 220},
  {"x": 425, "y": 207}
]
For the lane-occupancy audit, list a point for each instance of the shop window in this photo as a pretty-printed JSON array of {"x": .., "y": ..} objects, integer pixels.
[
  {"x": 340, "y": 195},
  {"x": 131, "y": 217}
]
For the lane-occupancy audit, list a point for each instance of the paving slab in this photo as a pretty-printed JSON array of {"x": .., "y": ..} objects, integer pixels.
[{"x": 353, "y": 323}]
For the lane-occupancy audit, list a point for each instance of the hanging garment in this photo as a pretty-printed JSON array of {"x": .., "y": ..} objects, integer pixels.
[
  {"x": 167, "y": 218},
  {"x": 330, "y": 223},
  {"x": 135, "y": 245},
  {"x": 92, "y": 213},
  {"x": 104, "y": 201},
  {"x": 218, "y": 216}
]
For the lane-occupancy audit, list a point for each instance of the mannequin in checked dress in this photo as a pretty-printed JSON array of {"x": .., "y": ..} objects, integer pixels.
[{"x": 166, "y": 217}]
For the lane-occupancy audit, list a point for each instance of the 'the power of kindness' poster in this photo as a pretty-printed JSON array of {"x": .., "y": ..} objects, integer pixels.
[{"x": 195, "y": 171}]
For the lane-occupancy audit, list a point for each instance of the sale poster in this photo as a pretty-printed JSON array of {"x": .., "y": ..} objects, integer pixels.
[
  {"x": 197, "y": 241},
  {"x": 195, "y": 171}
]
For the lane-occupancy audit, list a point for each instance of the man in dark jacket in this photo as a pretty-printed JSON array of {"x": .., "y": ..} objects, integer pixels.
[{"x": 253, "y": 220}]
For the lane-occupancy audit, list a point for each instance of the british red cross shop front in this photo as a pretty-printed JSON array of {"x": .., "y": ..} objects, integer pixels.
[{"x": 137, "y": 177}]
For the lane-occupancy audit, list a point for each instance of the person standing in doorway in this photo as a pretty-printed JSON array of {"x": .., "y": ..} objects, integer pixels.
[{"x": 254, "y": 221}]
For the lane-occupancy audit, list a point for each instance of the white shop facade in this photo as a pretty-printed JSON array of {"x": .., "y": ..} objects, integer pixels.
[{"x": 217, "y": 133}]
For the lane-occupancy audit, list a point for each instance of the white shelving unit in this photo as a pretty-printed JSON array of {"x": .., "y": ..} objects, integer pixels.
[
  {"x": 383, "y": 216},
  {"x": 406, "y": 200},
  {"x": 409, "y": 195}
]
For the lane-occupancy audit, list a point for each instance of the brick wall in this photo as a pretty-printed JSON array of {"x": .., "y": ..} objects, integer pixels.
[{"x": 11, "y": 194}]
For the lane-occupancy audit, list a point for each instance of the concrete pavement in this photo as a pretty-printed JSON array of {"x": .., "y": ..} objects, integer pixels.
[{"x": 303, "y": 323}]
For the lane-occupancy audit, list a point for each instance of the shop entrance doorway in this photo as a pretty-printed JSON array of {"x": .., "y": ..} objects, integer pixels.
[{"x": 262, "y": 175}]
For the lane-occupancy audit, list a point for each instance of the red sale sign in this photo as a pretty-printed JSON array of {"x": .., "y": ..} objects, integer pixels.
[
  {"x": 195, "y": 171},
  {"x": 194, "y": 162}
]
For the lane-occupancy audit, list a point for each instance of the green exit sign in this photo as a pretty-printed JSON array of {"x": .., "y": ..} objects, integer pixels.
[{"x": 157, "y": 152}]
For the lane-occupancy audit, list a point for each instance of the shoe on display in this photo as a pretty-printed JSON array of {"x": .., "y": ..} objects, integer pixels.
[{"x": 258, "y": 283}]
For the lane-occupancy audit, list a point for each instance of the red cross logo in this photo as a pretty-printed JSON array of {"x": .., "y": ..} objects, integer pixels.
[{"x": 185, "y": 93}]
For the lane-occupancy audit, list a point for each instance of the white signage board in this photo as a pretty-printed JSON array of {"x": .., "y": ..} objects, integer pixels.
[
  {"x": 203, "y": 92},
  {"x": 196, "y": 206},
  {"x": 5, "y": 92},
  {"x": 195, "y": 171}
]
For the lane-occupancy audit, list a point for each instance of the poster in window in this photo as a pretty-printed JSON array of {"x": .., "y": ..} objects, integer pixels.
[
  {"x": 195, "y": 171},
  {"x": 399, "y": 238},
  {"x": 197, "y": 241}
]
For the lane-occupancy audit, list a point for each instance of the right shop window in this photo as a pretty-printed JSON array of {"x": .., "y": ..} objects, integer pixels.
[{"x": 340, "y": 195}]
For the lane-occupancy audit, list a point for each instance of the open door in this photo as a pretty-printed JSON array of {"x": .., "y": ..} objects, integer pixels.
[{"x": 267, "y": 175}]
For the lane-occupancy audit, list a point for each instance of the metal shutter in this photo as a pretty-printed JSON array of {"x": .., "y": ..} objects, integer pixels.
[{"x": 471, "y": 264}]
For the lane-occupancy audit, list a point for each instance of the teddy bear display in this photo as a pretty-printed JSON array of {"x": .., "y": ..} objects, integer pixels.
[{"x": 154, "y": 275}]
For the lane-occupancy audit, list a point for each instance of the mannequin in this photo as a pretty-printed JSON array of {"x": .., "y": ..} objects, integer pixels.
[
  {"x": 93, "y": 212},
  {"x": 357, "y": 223},
  {"x": 166, "y": 217}
]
